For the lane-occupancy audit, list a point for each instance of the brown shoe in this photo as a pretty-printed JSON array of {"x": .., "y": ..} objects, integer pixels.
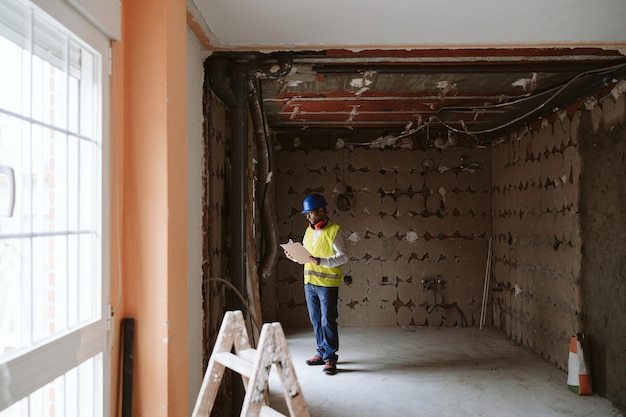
[
  {"x": 330, "y": 368},
  {"x": 315, "y": 360}
]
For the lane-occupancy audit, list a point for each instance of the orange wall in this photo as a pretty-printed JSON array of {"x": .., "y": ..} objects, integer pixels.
[{"x": 149, "y": 112}]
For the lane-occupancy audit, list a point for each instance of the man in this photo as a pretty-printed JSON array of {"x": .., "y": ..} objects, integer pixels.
[{"x": 322, "y": 276}]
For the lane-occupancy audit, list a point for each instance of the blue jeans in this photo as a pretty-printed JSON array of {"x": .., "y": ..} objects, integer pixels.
[{"x": 322, "y": 305}]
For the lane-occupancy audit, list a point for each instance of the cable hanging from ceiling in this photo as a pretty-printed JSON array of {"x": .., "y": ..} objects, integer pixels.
[{"x": 555, "y": 92}]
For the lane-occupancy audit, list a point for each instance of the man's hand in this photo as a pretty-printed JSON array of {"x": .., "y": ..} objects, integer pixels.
[{"x": 314, "y": 260}]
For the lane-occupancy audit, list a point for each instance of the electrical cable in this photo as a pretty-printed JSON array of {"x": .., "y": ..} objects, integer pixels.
[
  {"x": 555, "y": 92},
  {"x": 523, "y": 116},
  {"x": 389, "y": 140},
  {"x": 253, "y": 318}
]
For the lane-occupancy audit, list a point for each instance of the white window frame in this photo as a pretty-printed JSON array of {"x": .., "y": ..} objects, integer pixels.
[{"x": 25, "y": 373}]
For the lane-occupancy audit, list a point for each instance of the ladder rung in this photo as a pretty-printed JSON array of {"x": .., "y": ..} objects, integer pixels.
[
  {"x": 254, "y": 367},
  {"x": 270, "y": 412},
  {"x": 240, "y": 364},
  {"x": 248, "y": 355}
]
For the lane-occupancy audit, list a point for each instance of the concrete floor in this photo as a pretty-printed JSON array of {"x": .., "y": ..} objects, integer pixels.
[{"x": 427, "y": 372}]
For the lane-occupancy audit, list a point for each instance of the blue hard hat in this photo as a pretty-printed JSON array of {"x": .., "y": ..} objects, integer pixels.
[{"x": 312, "y": 202}]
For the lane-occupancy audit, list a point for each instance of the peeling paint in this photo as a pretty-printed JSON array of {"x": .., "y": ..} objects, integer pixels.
[
  {"x": 440, "y": 143},
  {"x": 353, "y": 113},
  {"x": 619, "y": 89},
  {"x": 527, "y": 84},
  {"x": 360, "y": 82},
  {"x": 411, "y": 236},
  {"x": 445, "y": 87},
  {"x": 295, "y": 112},
  {"x": 354, "y": 237},
  {"x": 590, "y": 103},
  {"x": 442, "y": 191},
  {"x": 381, "y": 142}
]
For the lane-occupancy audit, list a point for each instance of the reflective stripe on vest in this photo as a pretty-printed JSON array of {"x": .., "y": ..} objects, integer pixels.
[{"x": 316, "y": 274}]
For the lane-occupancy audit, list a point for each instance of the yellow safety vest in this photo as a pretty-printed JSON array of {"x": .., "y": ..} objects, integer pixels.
[{"x": 317, "y": 274}]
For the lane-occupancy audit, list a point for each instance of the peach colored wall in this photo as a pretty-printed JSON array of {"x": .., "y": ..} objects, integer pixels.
[
  {"x": 150, "y": 115},
  {"x": 176, "y": 106},
  {"x": 116, "y": 204}
]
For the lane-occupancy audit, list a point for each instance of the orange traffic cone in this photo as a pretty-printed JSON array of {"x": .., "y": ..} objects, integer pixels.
[{"x": 578, "y": 379}]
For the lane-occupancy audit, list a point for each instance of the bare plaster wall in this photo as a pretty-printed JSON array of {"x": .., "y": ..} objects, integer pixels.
[
  {"x": 559, "y": 216},
  {"x": 552, "y": 199},
  {"x": 536, "y": 291},
  {"x": 217, "y": 134},
  {"x": 603, "y": 218},
  {"x": 414, "y": 215}
]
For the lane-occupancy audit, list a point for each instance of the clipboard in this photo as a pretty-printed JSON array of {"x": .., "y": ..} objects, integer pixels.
[{"x": 297, "y": 252}]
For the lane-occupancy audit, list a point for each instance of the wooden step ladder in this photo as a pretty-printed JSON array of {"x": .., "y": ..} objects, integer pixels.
[{"x": 254, "y": 365}]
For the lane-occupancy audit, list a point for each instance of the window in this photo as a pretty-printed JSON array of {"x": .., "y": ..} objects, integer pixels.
[{"x": 53, "y": 326}]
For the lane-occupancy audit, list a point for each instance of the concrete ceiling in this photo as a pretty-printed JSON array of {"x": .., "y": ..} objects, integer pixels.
[{"x": 446, "y": 73}]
